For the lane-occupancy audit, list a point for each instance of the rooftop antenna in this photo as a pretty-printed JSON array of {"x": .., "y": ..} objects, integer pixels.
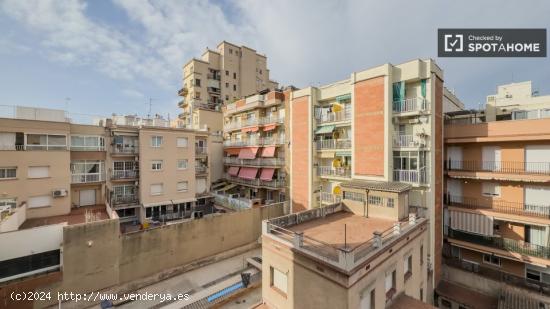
[{"x": 150, "y": 104}]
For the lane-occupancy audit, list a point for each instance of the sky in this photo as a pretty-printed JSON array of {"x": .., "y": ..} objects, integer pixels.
[{"x": 126, "y": 56}]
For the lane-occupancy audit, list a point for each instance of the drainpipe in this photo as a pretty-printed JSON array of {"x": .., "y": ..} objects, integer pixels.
[{"x": 366, "y": 204}]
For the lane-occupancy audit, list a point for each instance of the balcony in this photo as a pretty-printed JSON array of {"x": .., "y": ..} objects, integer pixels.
[
  {"x": 183, "y": 91},
  {"x": 124, "y": 174},
  {"x": 418, "y": 177},
  {"x": 214, "y": 90},
  {"x": 329, "y": 198},
  {"x": 119, "y": 149},
  {"x": 263, "y": 141},
  {"x": 411, "y": 105},
  {"x": 334, "y": 117},
  {"x": 409, "y": 141},
  {"x": 272, "y": 184},
  {"x": 329, "y": 171},
  {"x": 130, "y": 199},
  {"x": 182, "y": 103},
  {"x": 87, "y": 178},
  {"x": 254, "y": 162},
  {"x": 213, "y": 76},
  {"x": 505, "y": 167},
  {"x": 333, "y": 144},
  {"x": 201, "y": 150},
  {"x": 511, "y": 245},
  {"x": 253, "y": 122},
  {"x": 512, "y": 208},
  {"x": 201, "y": 169}
]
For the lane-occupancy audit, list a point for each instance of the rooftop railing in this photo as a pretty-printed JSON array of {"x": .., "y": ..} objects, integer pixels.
[
  {"x": 501, "y": 243},
  {"x": 505, "y": 167},
  {"x": 345, "y": 258},
  {"x": 411, "y": 105},
  {"x": 333, "y": 144},
  {"x": 513, "y": 208}
]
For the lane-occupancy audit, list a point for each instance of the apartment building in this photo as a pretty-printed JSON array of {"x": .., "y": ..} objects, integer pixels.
[
  {"x": 382, "y": 124},
  {"x": 497, "y": 197},
  {"x": 219, "y": 77},
  {"x": 365, "y": 251},
  {"x": 254, "y": 149}
]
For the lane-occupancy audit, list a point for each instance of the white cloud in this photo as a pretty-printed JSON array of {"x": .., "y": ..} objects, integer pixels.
[{"x": 133, "y": 94}]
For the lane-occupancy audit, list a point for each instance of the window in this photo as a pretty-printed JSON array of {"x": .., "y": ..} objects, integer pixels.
[
  {"x": 182, "y": 186},
  {"x": 490, "y": 189},
  {"x": 445, "y": 303},
  {"x": 455, "y": 252},
  {"x": 234, "y": 75},
  {"x": 421, "y": 294},
  {"x": 38, "y": 172},
  {"x": 46, "y": 142},
  {"x": 197, "y": 95},
  {"x": 234, "y": 87},
  {"x": 226, "y": 73},
  {"x": 491, "y": 259},
  {"x": 407, "y": 267},
  {"x": 156, "y": 141},
  {"x": 375, "y": 200},
  {"x": 124, "y": 190},
  {"x": 156, "y": 165},
  {"x": 226, "y": 86},
  {"x": 278, "y": 280},
  {"x": 390, "y": 284},
  {"x": 39, "y": 201},
  {"x": 421, "y": 254},
  {"x": 157, "y": 189},
  {"x": 87, "y": 143},
  {"x": 182, "y": 164},
  {"x": 368, "y": 298},
  {"x": 197, "y": 82},
  {"x": 354, "y": 196},
  {"x": 182, "y": 142},
  {"x": 7, "y": 203},
  {"x": 230, "y": 51},
  {"x": 390, "y": 202},
  {"x": 8, "y": 172}
]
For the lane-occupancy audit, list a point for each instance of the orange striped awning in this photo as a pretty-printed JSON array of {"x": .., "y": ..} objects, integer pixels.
[
  {"x": 250, "y": 129},
  {"x": 248, "y": 173},
  {"x": 269, "y": 127},
  {"x": 268, "y": 152},
  {"x": 267, "y": 174},
  {"x": 248, "y": 152},
  {"x": 232, "y": 151},
  {"x": 233, "y": 171}
]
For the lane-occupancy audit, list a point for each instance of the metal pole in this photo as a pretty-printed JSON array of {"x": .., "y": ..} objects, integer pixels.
[{"x": 345, "y": 236}]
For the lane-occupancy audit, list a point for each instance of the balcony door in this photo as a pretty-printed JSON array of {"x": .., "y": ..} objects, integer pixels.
[
  {"x": 454, "y": 156},
  {"x": 491, "y": 158},
  {"x": 87, "y": 197},
  {"x": 537, "y": 199},
  {"x": 454, "y": 190},
  {"x": 537, "y": 158}
]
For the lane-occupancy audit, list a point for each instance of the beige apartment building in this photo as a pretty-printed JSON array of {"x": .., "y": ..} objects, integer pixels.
[
  {"x": 219, "y": 77},
  {"x": 350, "y": 254},
  {"x": 497, "y": 198},
  {"x": 254, "y": 150},
  {"x": 383, "y": 124}
]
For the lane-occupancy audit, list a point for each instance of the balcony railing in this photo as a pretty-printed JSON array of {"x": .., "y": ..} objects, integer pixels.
[
  {"x": 263, "y": 141},
  {"x": 130, "y": 199},
  {"x": 213, "y": 76},
  {"x": 333, "y": 144},
  {"x": 87, "y": 178},
  {"x": 411, "y": 176},
  {"x": 214, "y": 90},
  {"x": 505, "y": 167},
  {"x": 124, "y": 174},
  {"x": 334, "y": 117},
  {"x": 402, "y": 140},
  {"x": 201, "y": 150},
  {"x": 411, "y": 105},
  {"x": 329, "y": 198},
  {"x": 183, "y": 91},
  {"x": 512, "y": 208},
  {"x": 275, "y": 183},
  {"x": 506, "y": 244},
  {"x": 125, "y": 149},
  {"x": 254, "y": 162},
  {"x": 253, "y": 122},
  {"x": 181, "y": 103},
  {"x": 88, "y": 148},
  {"x": 200, "y": 169},
  {"x": 334, "y": 171},
  {"x": 46, "y": 147}
]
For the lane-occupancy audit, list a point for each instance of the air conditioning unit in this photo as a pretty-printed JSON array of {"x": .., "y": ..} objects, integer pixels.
[{"x": 59, "y": 193}]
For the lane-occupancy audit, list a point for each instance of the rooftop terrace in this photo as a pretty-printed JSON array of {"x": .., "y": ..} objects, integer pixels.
[{"x": 76, "y": 216}]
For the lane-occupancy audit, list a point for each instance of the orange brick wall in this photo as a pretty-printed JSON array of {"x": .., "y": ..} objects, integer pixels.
[
  {"x": 438, "y": 185},
  {"x": 369, "y": 127},
  {"x": 300, "y": 154}
]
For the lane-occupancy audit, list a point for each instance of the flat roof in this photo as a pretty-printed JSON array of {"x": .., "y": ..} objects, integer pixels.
[
  {"x": 377, "y": 185},
  {"x": 465, "y": 296},
  {"x": 76, "y": 216},
  {"x": 404, "y": 301},
  {"x": 332, "y": 228}
]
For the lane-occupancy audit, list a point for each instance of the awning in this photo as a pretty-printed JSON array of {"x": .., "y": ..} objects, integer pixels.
[
  {"x": 267, "y": 174},
  {"x": 343, "y": 97},
  {"x": 250, "y": 129},
  {"x": 343, "y": 153},
  {"x": 268, "y": 152},
  {"x": 232, "y": 151},
  {"x": 233, "y": 171},
  {"x": 248, "y": 173},
  {"x": 269, "y": 127},
  {"x": 248, "y": 153},
  {"x": 324, "y": 129}
]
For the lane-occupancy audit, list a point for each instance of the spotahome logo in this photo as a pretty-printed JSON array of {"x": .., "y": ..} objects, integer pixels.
[{"x": 491, "y": 42}]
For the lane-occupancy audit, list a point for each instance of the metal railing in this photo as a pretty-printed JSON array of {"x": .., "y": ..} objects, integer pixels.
[
  {"x": 329, "y": 198},
  {"x": 333, "y": 144},
  {"x": 501, "y": 243},
  {"x": 124, "y": 174},
  {"x": 253, "y": 122},
  {"x": 334, "y": 117},
  {"x": 508, "y": 167},
  {"x": 87, "y": 177},
  {"x": 13, "y": 147},
  {"x": 254, "y": 162},
  {"x": 46, "y": 147},
  {"x": 410, "y": 105},
  {"x": 334, "y": 171},
  {"x": 231, "y": 202},
  {"x": 256, "y": 182},
  {"x": 255, "y": 142},
  {"x": 201, "y": 150},
  {"x": 406, "y": 140},
  {"x": 213, "y": 76},
  {"x": 200, "y": 169},
  {"x": 513, "y": 208},
  {"x": 88, "y": 148},
  {"x": 125, "y": 149},
  {"x": 129, "y": 199},
  {"x": 411, "y": 176}
]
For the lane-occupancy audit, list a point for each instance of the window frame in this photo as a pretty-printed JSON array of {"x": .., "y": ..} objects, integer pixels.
[
  {"x": 157, "y": 138},
  {"x": 4, "y": 171},
  {"x": 157, "y": 162},
  {"x": 186, "y": 186}
]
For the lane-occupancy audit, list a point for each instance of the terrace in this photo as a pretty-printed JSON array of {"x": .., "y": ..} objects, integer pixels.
[
  {"x": 75, "y": 216},
  {"x": 337, "y": 237}
]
